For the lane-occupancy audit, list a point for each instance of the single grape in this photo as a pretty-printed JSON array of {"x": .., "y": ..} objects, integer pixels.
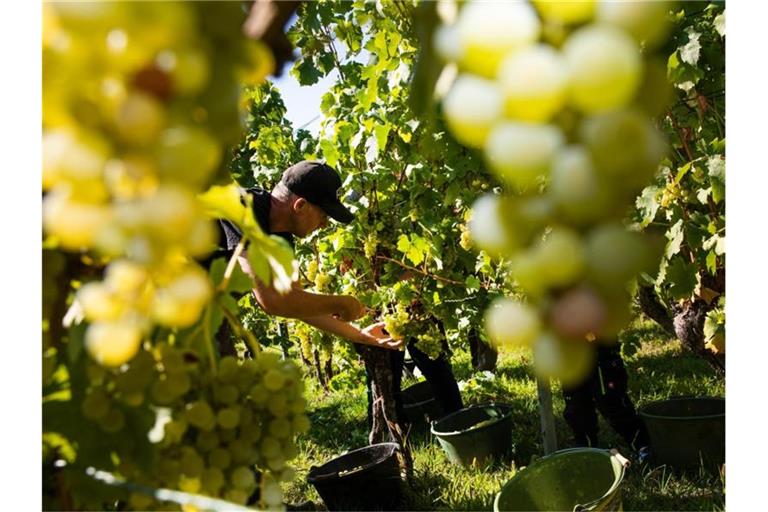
[
  {"x": 604, "y": 66},
  {"x": 472, "y": 107},
  {"x": 228, "y": 417},
  {"x": 534, "y": 82},
  {"x": 521, "y": 153},
  {"x": 490, "y": 30},
  {"x": 512, "y": 323}
]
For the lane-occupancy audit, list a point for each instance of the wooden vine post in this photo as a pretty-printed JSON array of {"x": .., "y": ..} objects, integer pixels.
[{"x": 548, "y": 434}]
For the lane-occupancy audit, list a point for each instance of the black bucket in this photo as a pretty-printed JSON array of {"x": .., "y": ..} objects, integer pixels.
[
  {"x": 476, "y": 435},
  {"x": 419, "y": 404},
  {"x": 364, "y": 479},
  {"x": 686, "y": 432}
]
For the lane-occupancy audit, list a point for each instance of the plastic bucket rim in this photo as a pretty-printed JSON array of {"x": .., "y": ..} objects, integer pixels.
[
  {"x": 312, "y": 478},
  {"x": 507, "y": 413},
  {"x": 614, "y": 486},
  {"x": 417, "y": 404},
  {"x": 641, "y": 410}
]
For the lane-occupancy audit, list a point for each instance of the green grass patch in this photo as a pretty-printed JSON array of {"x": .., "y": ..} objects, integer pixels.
[{"x": 658, "y": 370}]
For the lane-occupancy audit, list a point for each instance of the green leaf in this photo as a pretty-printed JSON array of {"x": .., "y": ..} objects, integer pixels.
[
  {"x": 690, "y": 52},
  {"x": 223, "y": 202},
  {"x": 403, "y": 244},
  {"x": 719, "y": 23},
  {"x": 259, "y": 266},
  {"x": 306, "y": 72},
  {"x": 329, "y": 151},
  {"x": 716, "y": 166},
  {"x": 473, "y": 283},
  {"x": 681, "y": 172},
  {"x": 681, "y": 277},
  {"x": 648, "y": 205},
  {"x": 675, "y": 235},
  {"x": 711, "y": 262}
]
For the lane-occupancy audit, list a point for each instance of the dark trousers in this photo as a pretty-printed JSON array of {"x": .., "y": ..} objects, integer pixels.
[
  {"x": 605, "y": 390},
  {"x": 438, "y": 373}
]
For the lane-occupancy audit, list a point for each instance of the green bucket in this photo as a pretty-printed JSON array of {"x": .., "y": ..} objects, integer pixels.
[
  {"x": 686, "y": 432},
  {"x": 575, "y": 479},
  {"x": 476, "y": 435},
  {"x": 419, "y": 404}
]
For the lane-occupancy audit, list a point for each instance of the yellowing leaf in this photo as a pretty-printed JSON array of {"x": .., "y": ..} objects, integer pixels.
[{"x": 223, "y": 202}]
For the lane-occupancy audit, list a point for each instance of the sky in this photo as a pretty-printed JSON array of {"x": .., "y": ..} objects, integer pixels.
[{"x": 303, "y": 103}]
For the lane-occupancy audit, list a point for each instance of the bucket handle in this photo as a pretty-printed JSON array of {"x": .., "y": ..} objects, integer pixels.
[
  {"x": 624, "y": 463},
  {"x": 620, "y": 458}
]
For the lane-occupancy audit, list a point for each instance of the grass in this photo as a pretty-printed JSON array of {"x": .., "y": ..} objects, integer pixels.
[{"x": 658, "y": 370}]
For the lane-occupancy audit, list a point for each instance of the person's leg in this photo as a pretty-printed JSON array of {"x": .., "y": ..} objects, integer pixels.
[
  {"x": 396, "y": 358},
  {"x": 614, "y": 403},
  {"x": 440, "y": 376},
  {"x": 580, "y": 413}
]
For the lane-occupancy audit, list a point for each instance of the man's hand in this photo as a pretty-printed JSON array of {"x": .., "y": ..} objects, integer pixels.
[
  {"x": 349, "y": 308},
  {"x": 376, "y": 336}
]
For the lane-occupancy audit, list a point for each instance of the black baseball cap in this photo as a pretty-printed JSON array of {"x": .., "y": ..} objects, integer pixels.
[{"x": 319, "y": 184}]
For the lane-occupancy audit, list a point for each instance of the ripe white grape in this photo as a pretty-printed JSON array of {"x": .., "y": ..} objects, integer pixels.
[
  {"x": 565, "y": 11},
  {"x": 486, "y": 227},
  {"x": 577, "y": 314},
  {"x": 113, "y": 343},
  {"x": 521, "y": 153},
  {"x": 561, "y": 258},
  {"x": 139, "y": 119},
  {"x": 99, "y": 302},
  {"x": 512, "y": 323},
  {"x": 488, "y": 31},
  {"x": 579, "y": 194},
  {"x": 568, "y": 361},
  {"x": 605, "y": 68},
  {"x": 534, "y": 82},
  {"x": 645, "y": 21},
  {"x": 187, "y": 155},
  {"x": 75, "y": 225},
  {"x": 447, "y": 44},
  {"x": 615, "y": 255},
  {"x": 625, "y": 147},
  {"x": 125, "y": 277},
  {"x": 76, "y": 158},
  {"x": 472, "y": 107},
  {"x": 180, "y": 303}
]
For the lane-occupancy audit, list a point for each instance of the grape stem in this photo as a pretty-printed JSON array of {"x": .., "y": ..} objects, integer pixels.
[{"x": 231, "y": 265}]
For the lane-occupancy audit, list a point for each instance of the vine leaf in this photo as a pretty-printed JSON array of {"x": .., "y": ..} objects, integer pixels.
[
  {"x": 682, "y": 278},
  {"x": 690, "y": 52},
  {"x": 648, "y": 205},
  {"x": 676, "y": 234}
]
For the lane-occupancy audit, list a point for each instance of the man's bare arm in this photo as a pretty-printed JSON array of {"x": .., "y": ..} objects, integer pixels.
[
  {"x": 371, "y": 335},
  {"x": 301, "y": 304}
]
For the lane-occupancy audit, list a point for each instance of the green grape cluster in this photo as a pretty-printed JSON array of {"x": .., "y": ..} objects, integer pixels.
[
  {"x": 322, "y": 279},
  {"x": 226, "y": 434},
  {"x": 397, "y": 322},
  {"x": 559, "y": 97},
  {"x": 137, "y": 112},
  {"x": 312, "y": 270},
  {"x": 430, "y": 342},
  {"x": 370, "y": 245}
]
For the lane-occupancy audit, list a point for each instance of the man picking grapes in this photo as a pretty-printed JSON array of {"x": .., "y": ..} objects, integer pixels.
[{"x": 300, "y": 204}]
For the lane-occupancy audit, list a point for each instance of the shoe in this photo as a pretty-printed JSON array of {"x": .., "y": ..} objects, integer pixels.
[
  {"x": 644, "y": 454},
  {"x": 305, "y": 505}
]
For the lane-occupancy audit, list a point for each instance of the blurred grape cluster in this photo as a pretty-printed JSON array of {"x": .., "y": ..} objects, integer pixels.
[{"x": 559, "y": 97}]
